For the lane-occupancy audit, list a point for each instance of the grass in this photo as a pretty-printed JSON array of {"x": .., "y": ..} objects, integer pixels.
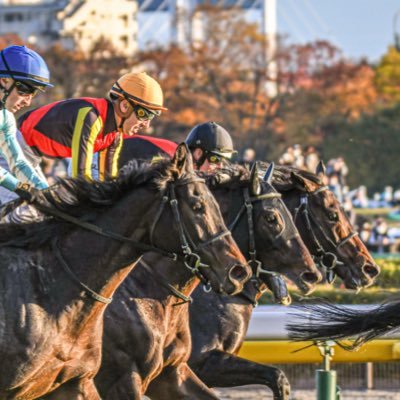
[{"x": 386, "y": 286}]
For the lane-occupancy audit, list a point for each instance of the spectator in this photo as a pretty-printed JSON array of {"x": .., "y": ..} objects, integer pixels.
[
  {"x": 249, "y": 157},
  {"x": 379, "y": 240},
  {"x": 287, "y": 157},
  {"x": 366, "y": 232},
  {"x": 311, "y": 159},
  {"x": 298, "y": 157}
]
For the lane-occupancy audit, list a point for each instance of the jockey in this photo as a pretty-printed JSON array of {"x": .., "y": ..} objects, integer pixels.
[
  {"x": 80, "y": 127},
  {"x": 23, "y": 73},
  {"x": 211, "y": 146}
]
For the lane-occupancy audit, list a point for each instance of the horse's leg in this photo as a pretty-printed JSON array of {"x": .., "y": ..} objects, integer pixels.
[
  {"x": 219, "y": 369},
  {"x": 75, "y": 390},
  {"x": 179, "y": 384},
  {"x": 128, "y": 387}
]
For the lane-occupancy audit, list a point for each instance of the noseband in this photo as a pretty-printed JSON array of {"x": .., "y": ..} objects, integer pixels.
[
  {"x": 256, "y": 265},
  {"x": 191, "y": 259},
  {"x": 325, "y": 259}
]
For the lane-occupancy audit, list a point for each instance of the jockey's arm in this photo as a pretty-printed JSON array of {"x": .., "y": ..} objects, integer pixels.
[
  {"x": 21, "y": 169},
  {"x": 88, "y": 126}
]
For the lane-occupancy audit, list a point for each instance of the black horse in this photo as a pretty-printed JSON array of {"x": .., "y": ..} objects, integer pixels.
[
  {"x": 218, "y": 335},
  {"x": 147, "y": 311},
  {"x": 57, "y": 276}
]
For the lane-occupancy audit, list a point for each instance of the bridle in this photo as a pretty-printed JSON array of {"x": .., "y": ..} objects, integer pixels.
[
  {"x": 323, "y": 258},
  {"x": 255, "y": 264},
  {"x": 191, "y": 259},
  {"x": 189, "y": 251}
]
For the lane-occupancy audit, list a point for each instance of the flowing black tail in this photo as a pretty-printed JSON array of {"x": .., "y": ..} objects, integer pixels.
[{"x": 331, "y": 322}]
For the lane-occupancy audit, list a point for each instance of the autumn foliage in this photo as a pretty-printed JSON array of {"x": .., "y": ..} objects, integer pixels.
[{"x": 322, "y": 99}]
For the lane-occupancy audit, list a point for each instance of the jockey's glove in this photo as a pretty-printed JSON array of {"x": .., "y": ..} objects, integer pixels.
[{"x": 26, "y": 192}]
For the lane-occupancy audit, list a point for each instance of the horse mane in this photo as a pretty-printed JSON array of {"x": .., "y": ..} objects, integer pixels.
[
  {"x": 232, "y": 176},
  {"x": 284, "y": 177},
  {"x": 85, "y": 200}
]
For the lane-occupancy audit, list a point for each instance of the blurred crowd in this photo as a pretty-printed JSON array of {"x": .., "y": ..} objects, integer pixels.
[
  {"x": 378, "y": 236},
  {"x": 375, "y": 231}
]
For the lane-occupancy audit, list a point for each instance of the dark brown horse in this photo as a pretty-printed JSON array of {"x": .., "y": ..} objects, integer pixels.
[
  {"x": 218, "y": 335},
  {"x": 325, "y": 227},
  {"x": 147, "y": 311},
  {"x": 58, "y": 275}
]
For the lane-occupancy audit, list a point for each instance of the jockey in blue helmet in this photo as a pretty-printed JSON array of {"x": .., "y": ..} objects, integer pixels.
[{"x": 23, "y": 73}]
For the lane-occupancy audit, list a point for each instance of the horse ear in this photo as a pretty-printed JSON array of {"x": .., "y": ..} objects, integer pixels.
[
  {"x": 255, "y": 186},
  {"x": 321, "y": 169},
  {"x": 303, "y": 183},
  {"x": 268, "y": 174},
  {"x": 182, "y": 160},
  {"x": 298, "y": 180}
]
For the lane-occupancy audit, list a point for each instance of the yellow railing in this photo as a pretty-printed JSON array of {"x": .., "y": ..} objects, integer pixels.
[{"x": 283, "y": 352}]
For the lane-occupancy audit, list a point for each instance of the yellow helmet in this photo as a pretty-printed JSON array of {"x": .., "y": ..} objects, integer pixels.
[{"x": 141, "y": 89}]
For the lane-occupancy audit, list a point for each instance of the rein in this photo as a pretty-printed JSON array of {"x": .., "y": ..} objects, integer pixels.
[
  {"x": 326, "y": 259},
  {"x": 191, "y": 259},
  {"x": 257, "y": 266}
]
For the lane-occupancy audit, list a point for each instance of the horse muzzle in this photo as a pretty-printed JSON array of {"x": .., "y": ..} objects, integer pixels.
[{"x": 238, "y": 275}]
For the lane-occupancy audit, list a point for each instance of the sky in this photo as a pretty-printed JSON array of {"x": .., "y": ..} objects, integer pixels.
[{"x": 360, "y": 28}]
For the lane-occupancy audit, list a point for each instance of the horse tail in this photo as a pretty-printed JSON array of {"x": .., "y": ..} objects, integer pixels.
[{"x": 331, "y": 322}]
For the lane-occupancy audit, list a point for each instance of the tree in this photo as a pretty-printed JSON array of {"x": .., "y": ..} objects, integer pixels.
[
  {"x": 388, "y": 76},
  {"x": 370, "y": 147}
]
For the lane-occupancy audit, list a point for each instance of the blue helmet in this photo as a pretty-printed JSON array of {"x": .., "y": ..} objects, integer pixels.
[{"x": 23, "y": 64}]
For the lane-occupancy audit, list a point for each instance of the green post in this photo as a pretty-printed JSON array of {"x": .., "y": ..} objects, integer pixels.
[
  {"x": 326, "y": 385},
  {"x": 326, "y": 378}
]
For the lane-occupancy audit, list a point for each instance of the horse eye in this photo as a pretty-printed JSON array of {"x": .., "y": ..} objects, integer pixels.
[
  {"x": 333, "y": 216},
  {"x": 271, "y": 218},
  {"x": 198, "y": 206}
]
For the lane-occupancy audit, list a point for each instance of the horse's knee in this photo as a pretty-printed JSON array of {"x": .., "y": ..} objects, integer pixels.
[{"x": 280, "y": 385}]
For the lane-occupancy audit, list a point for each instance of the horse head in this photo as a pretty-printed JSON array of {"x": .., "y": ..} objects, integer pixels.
[
  {"x": 209, "y": 250},
  {"x": 325, "y": 227},
  {"x": 264, "y": 230}
]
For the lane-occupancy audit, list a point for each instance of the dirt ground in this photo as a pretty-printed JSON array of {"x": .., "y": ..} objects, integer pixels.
[{"x": 260, "y": 393}]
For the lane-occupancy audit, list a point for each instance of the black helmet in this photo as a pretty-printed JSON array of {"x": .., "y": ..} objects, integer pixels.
[{"x": 211, "y": 137}]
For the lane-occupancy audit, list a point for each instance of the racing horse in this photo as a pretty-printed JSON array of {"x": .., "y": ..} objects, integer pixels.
[
  {"x": 218, "y": 335},
  {"x": 155, "y": 311},
  {"x": 58, "y": 275}
]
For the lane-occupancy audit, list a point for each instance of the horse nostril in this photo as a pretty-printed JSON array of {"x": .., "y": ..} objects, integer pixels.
[
  {"x": 371, "y": 270},
  {"x": 239, "y": 273},
  {"x": 310, "y": 277}
]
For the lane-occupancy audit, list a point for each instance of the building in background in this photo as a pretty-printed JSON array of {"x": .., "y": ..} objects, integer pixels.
[{"x": 73, "y": 23}]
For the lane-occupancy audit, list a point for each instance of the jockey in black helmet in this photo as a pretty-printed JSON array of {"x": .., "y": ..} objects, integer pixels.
[{"x": 211, "y": 145}]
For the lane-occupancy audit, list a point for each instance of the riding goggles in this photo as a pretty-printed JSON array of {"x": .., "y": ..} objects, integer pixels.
[
  {"x": 24, "y": 89},
  {"x": 143, "y": 114},
  {"x": 213, "y": 158}
]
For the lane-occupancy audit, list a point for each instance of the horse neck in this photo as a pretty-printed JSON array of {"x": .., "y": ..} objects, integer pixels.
[
  {"x": 155, "y": 275},
  {"x": 101, "y": 262}
]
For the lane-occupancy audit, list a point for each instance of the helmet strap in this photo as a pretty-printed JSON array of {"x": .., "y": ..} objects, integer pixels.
[
  {"x": 8, "y": 91},
  {"x": 200, "y": 161},
  {"x": 123, "y": 115}
]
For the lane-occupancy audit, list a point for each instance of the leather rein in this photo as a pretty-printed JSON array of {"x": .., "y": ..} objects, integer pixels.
[
  {"x": 189, "y": 251},
  {"x": 325, "y": 259},
  {"x": 256, "y": 265}
]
